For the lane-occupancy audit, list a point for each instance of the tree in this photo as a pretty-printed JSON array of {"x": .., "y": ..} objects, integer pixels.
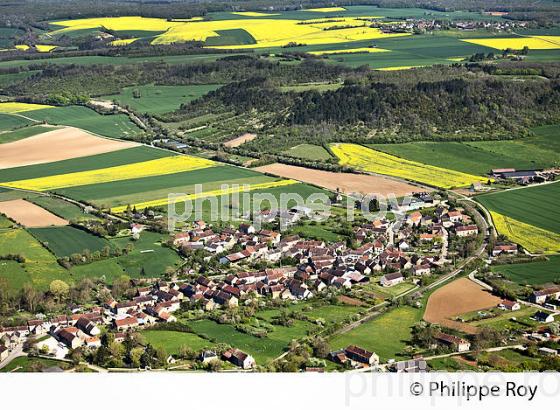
[
  {"x": 136, "y": 356},
  {"x": 59, "y": 289},
  {"x": 30, "y": 297}
]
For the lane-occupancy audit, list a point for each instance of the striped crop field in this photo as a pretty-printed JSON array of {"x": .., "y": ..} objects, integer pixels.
[
  {"x": 162, "y": 166},
  {"x": 518, "y": 43},
  {"x": 369, "y": 160},
  {"x": 213, "y": 193},
  {"x": 532, "y": 238}
]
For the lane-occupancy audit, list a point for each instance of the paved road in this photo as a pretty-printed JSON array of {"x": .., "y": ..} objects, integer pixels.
[{"x": 17, "y": 352}]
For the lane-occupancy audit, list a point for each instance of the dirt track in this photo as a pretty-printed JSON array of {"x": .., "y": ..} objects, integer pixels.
[
  {"x": 347, "y": 182},
  {"x": 29, "y": 214},
  {"x": 242, "y": 139},
  {"x": 56, "y": 145},
  {"x": 458, "y": 297}
]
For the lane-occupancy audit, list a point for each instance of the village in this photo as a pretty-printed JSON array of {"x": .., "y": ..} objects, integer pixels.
[{"x": 386, "y": 253}]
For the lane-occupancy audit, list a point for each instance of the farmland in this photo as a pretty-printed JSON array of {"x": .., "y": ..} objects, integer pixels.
[
  {"x": 455, "y": 298},
  {"x": 369, "y": 160},
  {"x": 56, "y": 145},
  {"x": 22, "y": 133},
  {"x": 535, "y": 205},
  {"x": 30, "y": 215},
  {"x": 534, "y": 273},
  {"x": 66, "y": 240},
  {"x": 155, "y": 99},
  {"x": 387, "y": 335},
  {"x": 172, "y": 341},
  {"x": 309, "y": 151}
]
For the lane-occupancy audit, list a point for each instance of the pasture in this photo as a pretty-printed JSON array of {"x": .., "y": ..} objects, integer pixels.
[
  {"x": 387, "y": 334},
  {"x": 308, "y": 151},
  {"x": 40, "y": 267},
  {"x": 369, "y": 160},
  {"x": 66, "y": 240},
  {"x": 158, "y": 99},
  {"x": 262, "y": 349},
  {"x": 172, "y": 341},
  {"x": 533, "y": 273}
]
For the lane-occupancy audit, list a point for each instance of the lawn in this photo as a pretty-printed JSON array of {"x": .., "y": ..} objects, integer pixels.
[
  {"x": 534, "y": 273},
  {"x": 172, "y": 341},
  {"x": 534, "y": 205},
  {"x": 387, "y": 335},
  {"x": 40, "y": 267},
  {"x": 158, "y": 99},
  {"x": 22, "y": 133},
  {"x": 391, "y": 291},
  {"x": 308, "y": 151},
  {"x": 316, "y": 232},
  {"x": 262, "y": 349},
  {"x": 25, "y": 364},
  {"x": 110, "y": 159},
  {"x": 67, "y": 240},
  {"x": 111, "y": 125},
  {"x": 329, "y": 313}
]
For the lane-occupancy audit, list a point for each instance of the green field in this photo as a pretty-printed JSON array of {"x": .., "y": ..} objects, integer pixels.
[
  {"x": 112, "y": 125},
  {"x": 172, "y": 341},
  {"x": 328, "y": 313},
  {"x": 62, "y": 208},
  {"x": 111, "y": 159},
  {"x": 534, "y": 205},
  {"x": 40, "y": 267},
  {"x": 10, "y": 122},
  {"x": 386, "y": 335},
  {"x": 262, "y": 349},
  {"x": 158, "y": 99},
  {"x": 66, "y": 240},
  {"x": 309, "y": 151},
  {"x": 537, "y": 152},
  {"x": 534, "y": 273},
  {"x": 22, "y": 133}
]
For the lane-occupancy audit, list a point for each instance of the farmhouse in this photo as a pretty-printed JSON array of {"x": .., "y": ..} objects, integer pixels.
[
  {"x": 359, "y": 355},
  {"x": 504, "y": 249},
  {"x": 543, "y": 317},
  {"x": 541, "y": 296},
  {"x": 509, "y": 305},
  {"x": 391, "y": 279},
  {"x": 126, "y": 323},
  {"x": 456, "y": 343},
  {"x": 239, "y": 358}
]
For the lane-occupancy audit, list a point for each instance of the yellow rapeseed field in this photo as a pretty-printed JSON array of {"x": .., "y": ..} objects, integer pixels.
[
  {"x": 532, "y": 238},
  {"x": 123, "y": 42},
  {"x": 517, "y": 43},
  {"x": 44, "y": 48},
  {"x": 268, "y": 32},
  {"x": 326, "y": 9},
  {"x": 214, "y": 193},
  {"x": 397, "y": 68},
  {"x": 162, "y": 166},
  {"x": 366, "y": 159},
  {"x": 22, "y": 47},
  {"x": 17, "y": 107},
  {"x": 349, "y": 50}
]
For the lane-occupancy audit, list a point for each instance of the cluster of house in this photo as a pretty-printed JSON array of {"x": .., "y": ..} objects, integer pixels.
[{"x": 422, "y": 25}]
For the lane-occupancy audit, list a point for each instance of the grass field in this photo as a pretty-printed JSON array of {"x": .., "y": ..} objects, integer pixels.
[
  {"x": 24, "y": 364},
  {"x": 66, "y": 240},
  {"x": 111, "y": 159},
  {"x": 40, "y": 267},
  {"x": 309, "y": 151},
  {"x": 262, "y": 349},
  {"x": 22, "y": 133},
  {"x": 328, "y": 313},
  {"x": 364, "y": 159},
  {"x": 172, "y": 341},
  {"x": 386, "y": 335},
  {"x": 535, "y": 205},
  {"x": 535, "y": 273},
  {"x": 157, "y": 99}
]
